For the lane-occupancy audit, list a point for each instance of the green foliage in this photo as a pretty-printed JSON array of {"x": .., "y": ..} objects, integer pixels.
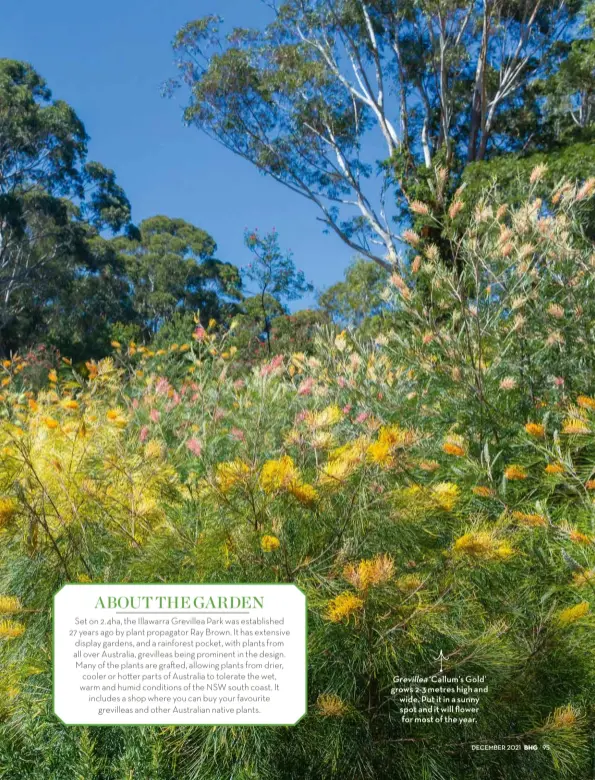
[
  {"x": 430, "y": 490},
  {"x": 574, "y": 161},
  {"x": 358, "y": 297},
  {"x": 275, "y": 278},
  {"x": 305, "y": 99},
  {"x": 55, "y": 270},
  {"x": 62, "y": 281},
  {"x": 171, "y": 269}
]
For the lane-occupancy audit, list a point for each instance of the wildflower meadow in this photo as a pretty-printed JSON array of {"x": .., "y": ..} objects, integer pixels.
[{"x": 429, "y": 487}]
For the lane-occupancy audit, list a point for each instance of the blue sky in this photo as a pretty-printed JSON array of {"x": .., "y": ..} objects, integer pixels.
[{"x": 109, "y": 61}]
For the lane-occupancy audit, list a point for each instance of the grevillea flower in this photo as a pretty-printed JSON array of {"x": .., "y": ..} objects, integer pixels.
[
  {"x": 230, "y": 474},
  {"x": 304, "y": 493},
  {"x": 341, "y": 341},
  {"x": 9, "y": 605},
  {"x": 390, "y": 439},
  {"x": 329, "y": 416},
  {"x": 482, "y": 544},
  {"x": 579, "y": 538},
  {"x": 154, "y": 449},
  {"x": 269, "y": 543},
  {"x": 587, "y": 189},
  {"x": 482, "y": 491},
  {"x": 272, "y": 366},
  {"x": 535, "y": 429},
  {"x": 538, "y": 173},
  {"x": 11, "y": 629},
  {"x": 194, "y": 446},
  {"x": 343, "y": 606},
  {"x": 455, "y": 208},
  {"x": 563, "y": 718},
  {"x": 162, "y": 386},
  {"x": 278, "y": 474},
  {"x": 572, "y": 614},
  {"x": 586, "y": 402},
  {"x": 418, "y": 207},
  {"x": 154, "y": 415},
  {"x": 508, "y": 383},
  {"x": 514, "y": 471},
  {"x": 446, "y": 494},
  {"x": 455, "y": 445},
  {"x": 329, "y": 705},
  {"x": 367, "y": 573},
  {"x": 8, "y": 509},
  {"x": 411, "y": 237},
  {"x": 529, "y": 519},
  {"x": 584, "y": 577},
  {"x": 305, "y": 387}
]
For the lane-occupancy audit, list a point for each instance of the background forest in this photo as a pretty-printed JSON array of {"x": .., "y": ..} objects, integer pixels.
[{"x": 415, "y": 451}]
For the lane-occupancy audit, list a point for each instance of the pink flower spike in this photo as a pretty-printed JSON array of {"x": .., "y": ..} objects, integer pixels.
[
  {"x": 154, "y": 415},
  {"x": 306, "y": 387},
  {"x": 144, "y": 433},
  {"x": 162, "y": 386},
  {"x": 194, "y": 446},
  {"x": 200, "y": 334}
]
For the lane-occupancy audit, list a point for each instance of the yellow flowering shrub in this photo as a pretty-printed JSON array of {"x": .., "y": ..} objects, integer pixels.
[{"x": 430, "y": 489}]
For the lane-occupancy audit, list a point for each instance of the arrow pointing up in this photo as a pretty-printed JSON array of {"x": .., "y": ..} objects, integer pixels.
[{"x": 441, "y": 657}]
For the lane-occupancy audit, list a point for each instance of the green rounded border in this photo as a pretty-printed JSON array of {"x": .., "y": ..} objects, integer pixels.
[{"x": 181, "y": 584}]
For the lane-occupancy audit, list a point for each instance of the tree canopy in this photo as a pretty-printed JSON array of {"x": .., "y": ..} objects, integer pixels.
[
  {"x": 348, "y": 102},
  {"x": 170, "y": 267},
  {"x": 358, "y": 296},
  {"x": 74, "y": 270},
  {"x": 53, "y": 204},
  {"x": 274, "y": 277}
]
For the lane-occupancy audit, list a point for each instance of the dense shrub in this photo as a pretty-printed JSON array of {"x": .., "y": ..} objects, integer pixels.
[{"x": 429, "y": 491}]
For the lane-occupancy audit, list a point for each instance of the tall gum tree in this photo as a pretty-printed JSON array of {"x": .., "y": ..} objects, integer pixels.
[
  {"x": 439, "y": 84},
  {"x": 50, "y": 195}
]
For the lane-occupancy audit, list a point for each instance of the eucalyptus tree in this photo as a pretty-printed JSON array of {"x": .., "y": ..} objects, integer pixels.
[
  {"x": 351, "y": 103},
  {"x": 51, "y": 198},
  {"x": 171, "y": 269},
  {"x": 274, "y": 276},
  {"x": 358, "y": 296}
]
